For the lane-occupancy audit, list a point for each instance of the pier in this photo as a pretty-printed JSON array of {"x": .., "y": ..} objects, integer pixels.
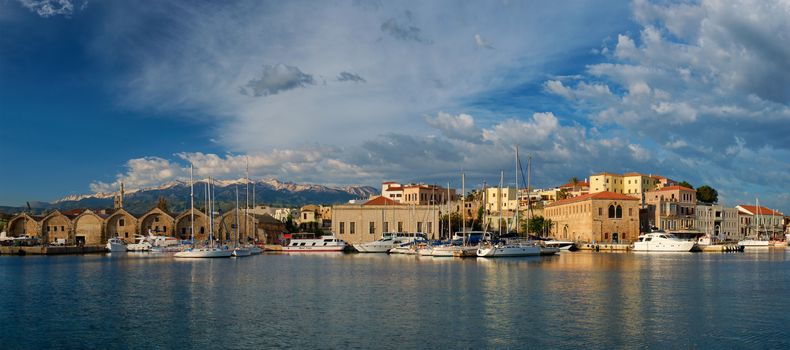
[
  {"x": 607, "y": 247},
  {"x": 51, "y": 250}
]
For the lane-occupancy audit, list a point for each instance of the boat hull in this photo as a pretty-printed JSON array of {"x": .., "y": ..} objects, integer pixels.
[
  {"x": 324, "y": 249},
  {"x": 116, "y": 247},
  {"x": 373, "y": 248},
  {"x": 754, "y": 243},
  {"x": 240, "y": 252},
  {"x": 508, "y": 251},
  {"x": 663, "y": 246}
]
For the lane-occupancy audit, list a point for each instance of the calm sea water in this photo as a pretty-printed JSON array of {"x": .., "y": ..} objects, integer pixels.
[{"x": 574, "y": 300}]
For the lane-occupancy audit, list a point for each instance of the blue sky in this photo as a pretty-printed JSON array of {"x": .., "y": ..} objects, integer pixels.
[{"x": 358, "y": 92}]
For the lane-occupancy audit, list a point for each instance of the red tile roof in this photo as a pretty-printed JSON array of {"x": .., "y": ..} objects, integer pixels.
[
  {"x": 393, "y": 188},
  {"x": 596, "y": 195},
  {"x": 762, "y": 210},
  {"x": 381, "y": 200},
  {"x": 578, "y": 184},
  {"x": 674, "y": 188}
]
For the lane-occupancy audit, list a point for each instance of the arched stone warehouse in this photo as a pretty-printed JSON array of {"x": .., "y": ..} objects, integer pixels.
[
  {"x": 183, "y": 225},
  {"x": 23, "y": 224},
  {"x": 121, "y": 224},
  {"x": 158, "y": 222},
  {"x": 57, "y": 226},
  {"x": 89, "y": 229}
]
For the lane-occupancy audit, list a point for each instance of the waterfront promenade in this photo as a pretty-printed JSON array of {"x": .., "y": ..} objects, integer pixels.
[{"x": 571, "y": 300}]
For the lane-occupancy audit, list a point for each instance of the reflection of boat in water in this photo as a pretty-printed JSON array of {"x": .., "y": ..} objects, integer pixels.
[
  {"x": 116, "y": 245},
  {"x": 204, "y": 253},
  {"x": 388, "y": 241},
  {"x": 306, "y": 242},
  {"x": 662, "y": 242}
]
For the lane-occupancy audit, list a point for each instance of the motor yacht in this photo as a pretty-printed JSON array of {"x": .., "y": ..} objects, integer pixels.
[
  {"x": 662, "y": 242},
  {"x": 562, "y": 245},
  {"x": 141, "y": 244},
  {"x": 509, "y": 249},
  {"x": 306, "y": 242},
  {"x": 116, "y": 245},
  {"x": 388, "y": 241}
]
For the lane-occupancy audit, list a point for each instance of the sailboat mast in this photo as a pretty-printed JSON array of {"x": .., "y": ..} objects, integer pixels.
[
  {"x": 236, "y": 241},
  {"x": 191, "y": 204},
  {"x": 206, "y": 209},
  {"x": 529, "y": 194},
  {"x": 247, "y": 195},
  {"x": 449, "y": 223},
  {"x": 463, "y": 208},
  {"x": 515, "y": 218},
  {"x": 499, "y": 200}
]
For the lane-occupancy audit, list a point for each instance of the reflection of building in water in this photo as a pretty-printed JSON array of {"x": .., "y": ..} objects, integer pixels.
[{"x": 595, "y": 217}]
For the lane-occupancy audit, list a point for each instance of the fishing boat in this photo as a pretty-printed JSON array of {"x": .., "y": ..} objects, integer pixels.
[
  {"x": 662, "y": 242},
  {"x": 307, "y": 242},
  {"x": 116, "y": 245}
]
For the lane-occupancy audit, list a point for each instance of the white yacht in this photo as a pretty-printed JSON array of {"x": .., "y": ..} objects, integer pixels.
[
  {"x": 662, "y": 242},
  {"x": 141, "y": 245},
  {"x": 509, "y": 249},
  {"x": 388, "y": 241},
  {"x": 306, "y": 242},
  {"x": 754, "y": 243},
  {"x": 116, "y": 245},
  {"x": 562, "y": 245}
]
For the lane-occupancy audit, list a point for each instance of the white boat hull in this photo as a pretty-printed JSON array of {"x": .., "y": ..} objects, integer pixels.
[
  {"x": 204, "y": 253},
  {"x": 445, "y": 251},
  {"x": 240, "y": 252},
  {"x": 509, "y": 251},
  {"x": 667, "y": 246},
  {"x": 374, "y": 248},
  {"x": 306, "y": 249},
  {"x": 753, "y": 243},
  {"x": 114, "y": 247}
]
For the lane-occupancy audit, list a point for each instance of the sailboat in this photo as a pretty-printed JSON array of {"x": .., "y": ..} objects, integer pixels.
[
  {"x": 238, "y": 251},
  {"x": 513, "y": 247},
  {"x": 755, "y": 241},
  {"x": 205, "y": 252}
]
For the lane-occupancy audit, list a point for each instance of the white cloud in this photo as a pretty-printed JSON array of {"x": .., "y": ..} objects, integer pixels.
[
  {"x": 49, "y": 8},
  {"x": 482, "y": 43},
  {"x": 142, "y": 172},
  {"x": 460, "y": 126}
]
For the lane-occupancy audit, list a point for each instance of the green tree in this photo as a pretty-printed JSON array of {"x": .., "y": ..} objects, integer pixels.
[
  {"x": 289, "y": 224},
  {"x": 707, "y": 194},
  {"x": 685, "y": 184},
  {"x": 537, "y": 225}
]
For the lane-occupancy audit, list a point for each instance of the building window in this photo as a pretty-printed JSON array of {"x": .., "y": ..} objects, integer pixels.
[
  {"x": 400, "y": 226},
  {"x": 342, "y": 228},
  {"x": 156, "y": 219},
  {"x": 372, "y": 227},
  {"x": 202, "y": 229},
  {"x": 619, "y": 213},
  {"x": 611, "y": 211},
  {"x": 630, "y": 211},
  {"x": 600, "y": 211},
  {"x": 351, "y": 227},
  {"x": 121, "y": 222},
  {"x": 419, "y": 226},
  {"x": 386, "y": 226},
  {"x": 63, "y": 228}
]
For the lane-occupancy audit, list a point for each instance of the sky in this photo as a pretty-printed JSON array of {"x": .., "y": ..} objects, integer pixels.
[{"x": 345, "y": 92}]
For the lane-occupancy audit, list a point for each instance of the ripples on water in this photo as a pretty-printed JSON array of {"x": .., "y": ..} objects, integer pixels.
[{"x": 574, "y": 300}]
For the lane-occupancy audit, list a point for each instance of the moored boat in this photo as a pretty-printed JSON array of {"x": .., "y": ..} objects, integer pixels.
[
  {"x": 509, "y": 249},
  {"x": 307, "y": 242},
  {"x": 561, "y": 245},
  {"x": 116, "y": 245},
  {"x": 662, "y": 242},
  {"x": 388, "y": 241}
]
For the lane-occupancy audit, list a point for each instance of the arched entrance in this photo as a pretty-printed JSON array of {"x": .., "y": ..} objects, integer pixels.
[{"x": 88, "y": 229}]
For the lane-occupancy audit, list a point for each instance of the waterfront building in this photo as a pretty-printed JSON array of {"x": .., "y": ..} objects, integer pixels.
[
  {"x": 226, "y": 226},
  {"x": 673, "y": 209},
  {"x": 269, "y": 229},
  {"x": 632, "y": 184},
  {"x": 157, "y": 222},
  {"x": 359, "y": 223},
  {"x": 183, "y": 225},
  {"x": 501, "y": 200},
  {"x": 595, "y": 217},
  {"x": 718, "y": 221},
  {"x": 770, "y": 223},
  {"x": 24, "y": 224},
  {"x": 121, "y": 224},
  {"x": 57, "y": 228},
  {"x": 282, "y": 214},
  {"x": 417, "y": 194},
  {"x": 89, "y": 227}
]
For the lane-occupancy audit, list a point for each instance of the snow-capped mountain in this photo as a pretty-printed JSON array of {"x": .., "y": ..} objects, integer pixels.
[{"x": 269, "y": 192}]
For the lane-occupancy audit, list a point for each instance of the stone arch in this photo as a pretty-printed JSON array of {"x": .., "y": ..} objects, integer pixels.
[
  {"x": 120, "y": 224},
  {"x": 57, "y": 226},
  {"x": 183, "y": 226},
  {"x": 89, "y": 227},
  {"x": 23, "y": 224},
  {"x": 227, "y": 221},
  {"x": 618, "y": 212},
  {"x": 158, "y": 221}
]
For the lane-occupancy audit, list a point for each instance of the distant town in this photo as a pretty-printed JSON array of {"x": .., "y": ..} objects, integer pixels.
[{"x": 604, "y": 208}]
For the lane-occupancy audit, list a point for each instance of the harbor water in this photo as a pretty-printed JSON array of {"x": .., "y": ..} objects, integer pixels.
[{"x": 365, "y": 301}]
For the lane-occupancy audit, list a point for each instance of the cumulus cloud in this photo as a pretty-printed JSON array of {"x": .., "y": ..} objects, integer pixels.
[
  {"x": 277, "y": 78},
  {"x": 142, "y": 172},
  {"x": 353, "y": 77},
  {"x": 461, "y": 127},
  {"x": 49, "y": 8}
]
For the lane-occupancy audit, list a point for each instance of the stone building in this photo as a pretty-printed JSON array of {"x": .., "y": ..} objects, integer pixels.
[
  {"x": 359, "y": 223},
  {"x": 183, "y": 225},
  {"x": 673, "y": 209},
  {"x": 57, "y": 227},
  {"x": 121, "y": 224},
  {"x": 758, "y": 221},
  {"x": 24, "y": 224},
  {"x": 596, "y": 217},
  {"x": 157, "y": 222},
  {"x": 89, "y": 228},
  {"x": 718, "y": 221}
]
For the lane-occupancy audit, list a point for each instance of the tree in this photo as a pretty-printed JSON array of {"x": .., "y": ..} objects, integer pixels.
[
  {"x": 289, "y": 224},
  {"x": 707, "y": 194},
  {"x": 685, "y": 184},
  {"x": 575, "y": 182},
  {"x": 538, "y": 225}
]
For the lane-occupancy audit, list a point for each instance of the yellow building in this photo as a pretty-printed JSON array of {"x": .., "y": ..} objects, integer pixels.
[
  {"x": 673, "y": 209},
  {"x": 504, "y": 200},
  {"x": 359, "y": 223},
  {"x": 596, "y": 217},
  {"x": 606, "y": 182}
]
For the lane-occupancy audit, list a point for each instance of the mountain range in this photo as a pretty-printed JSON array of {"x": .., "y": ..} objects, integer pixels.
[{"x": 270, "y": 192}]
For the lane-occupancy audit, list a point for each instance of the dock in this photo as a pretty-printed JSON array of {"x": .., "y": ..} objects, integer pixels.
[
  {"x": 51, "y": 250},
  {"x": 604, "y": 247}
]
